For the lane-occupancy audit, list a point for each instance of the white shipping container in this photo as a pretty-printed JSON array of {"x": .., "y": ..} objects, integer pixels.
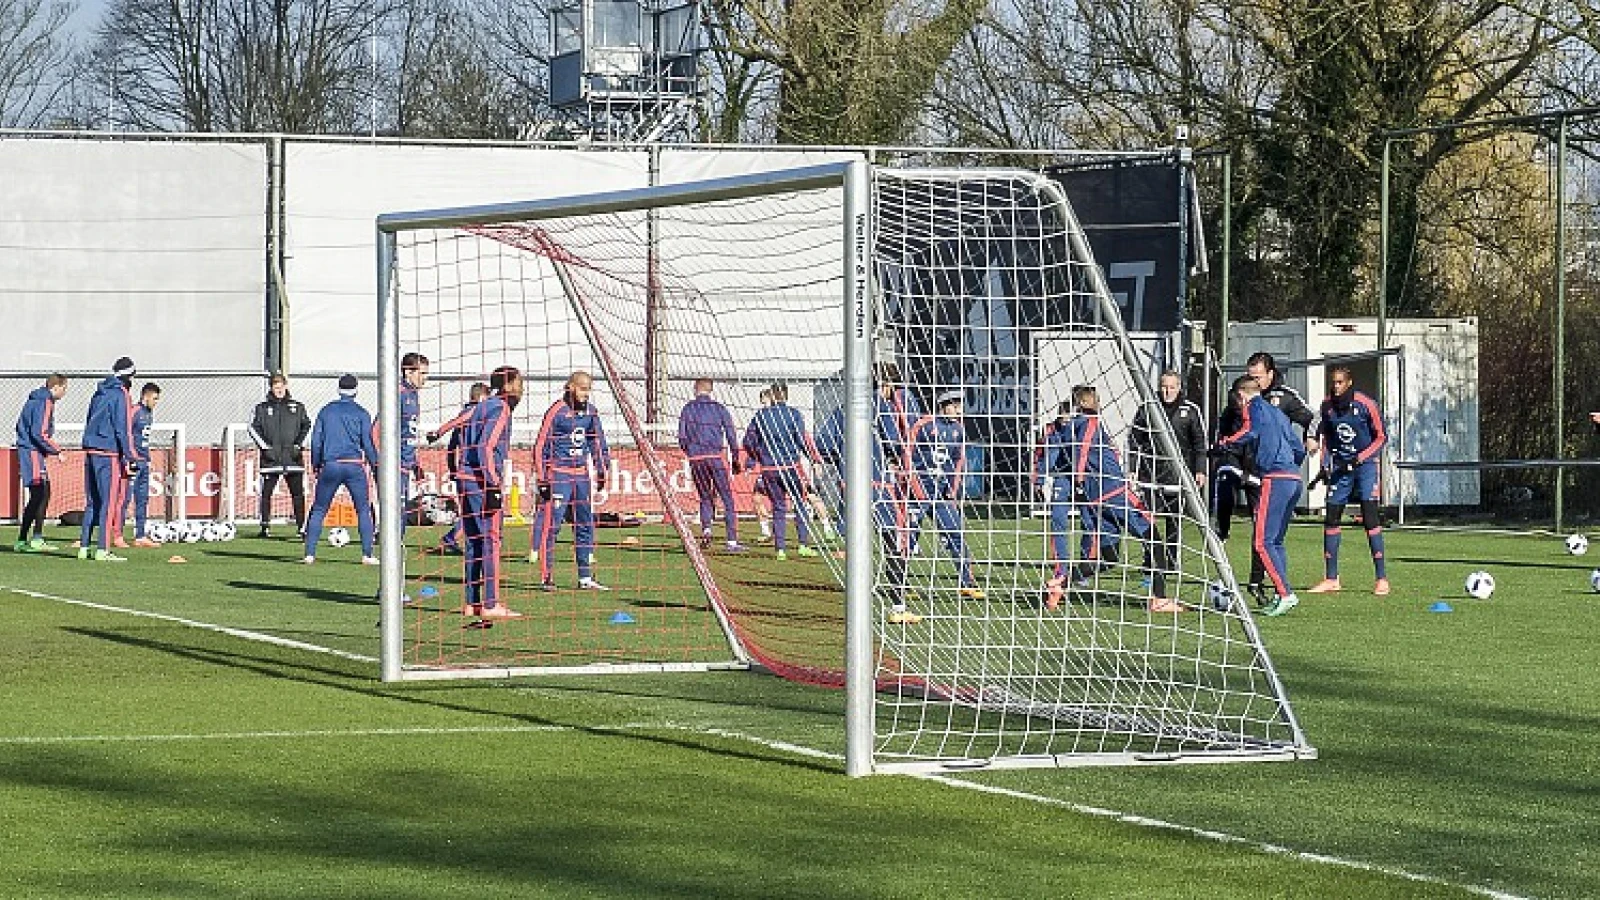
[{"x": 1429, "y": 397}]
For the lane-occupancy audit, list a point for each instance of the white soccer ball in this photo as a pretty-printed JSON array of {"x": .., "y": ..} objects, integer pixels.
[
  {"x": 1480, "y": 585},
  {"x": 1218, "y": 595},
  {"x": 338, "y": 537},
  {"x": 211, "y": 532},
  {"x": 158, "y": 532},
  {"x": 1594, "y": 581},
  {"x": 1577, "y": 544},
  {"x": 192, "y": 532},
  {"x": 229, "y": 531}
]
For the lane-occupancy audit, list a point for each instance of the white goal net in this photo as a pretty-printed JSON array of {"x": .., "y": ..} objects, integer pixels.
[{"x": 876, "y": 353}]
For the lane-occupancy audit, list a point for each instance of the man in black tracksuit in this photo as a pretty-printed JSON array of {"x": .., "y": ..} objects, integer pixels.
[
  {"x": 1162, "y": 476},
  {"x": 279, "y": 428}
]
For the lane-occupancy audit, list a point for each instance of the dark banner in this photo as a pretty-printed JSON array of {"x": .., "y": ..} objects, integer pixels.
[{"x": 1133, "y": 213}]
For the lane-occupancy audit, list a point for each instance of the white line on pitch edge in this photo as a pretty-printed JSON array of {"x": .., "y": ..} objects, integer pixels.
[{"x": 204, "y": 626}]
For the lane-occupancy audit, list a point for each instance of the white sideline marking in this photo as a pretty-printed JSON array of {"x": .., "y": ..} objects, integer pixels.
[
  {"x": 203, "y": 626},
  {"x": 783, "y": 746}
]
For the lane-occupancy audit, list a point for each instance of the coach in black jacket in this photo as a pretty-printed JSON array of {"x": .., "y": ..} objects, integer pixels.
[
  {"x": 1161, "y": 476},
  {"x": 279, "y": 428}
]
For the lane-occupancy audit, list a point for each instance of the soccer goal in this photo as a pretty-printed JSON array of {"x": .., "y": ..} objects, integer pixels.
[
  {"x": 887, "y": 546},
  {"x": 168, "y": 486}
]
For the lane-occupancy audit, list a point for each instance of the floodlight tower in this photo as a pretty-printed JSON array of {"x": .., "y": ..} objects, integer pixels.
[{"x": 626, "y": 70}]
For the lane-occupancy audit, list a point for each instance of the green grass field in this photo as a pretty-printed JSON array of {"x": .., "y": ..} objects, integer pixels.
[{"x": 145, "y": 757}]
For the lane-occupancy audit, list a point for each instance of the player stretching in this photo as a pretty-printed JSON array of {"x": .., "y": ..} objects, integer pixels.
[
  {"x": 1352, "y": 437},
  {"x": 570, "y": 437},
  {"x": 451, "y": 542},
  {"x": 108, "y": 458},
  {"x": 1263, "y": 370},
  {"x": 36, "y": 442},
  {"x": 936, "y": 462},
  {"x": 342, "y": 451},
  {"x": 777, "y": 440},
  {"x": 706, "y": 435},
  {"x": 1278, "y": 454},
  {"x": 1088, "y": 469},
  {"x": 484, "y": 442}
]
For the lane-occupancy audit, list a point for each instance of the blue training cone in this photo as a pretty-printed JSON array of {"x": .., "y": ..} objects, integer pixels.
[
  {"x": 428, "y": 592},
  {"x": 1441, "y": 606},
  {"x": 621, "y": 618}
]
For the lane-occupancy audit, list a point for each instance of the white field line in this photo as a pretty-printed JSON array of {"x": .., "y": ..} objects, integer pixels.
[
  {"x": 782, "y": 746},
  {"x": 203, "y": 626}
]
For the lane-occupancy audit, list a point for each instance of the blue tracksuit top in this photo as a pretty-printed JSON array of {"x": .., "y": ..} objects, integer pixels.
[
  {"x": 895, "y": 416},
  {"x": 342, "y": 433},
  {"x": 36, "y": 427},
  {"x": 1265, "y": 428},
  {"x": 108, "y": 427},
  {"x": 410, "y": 412},
  {"x": 705, "y": 427},
  {"x": 485, "y": 442},
  {"x": 1078, "y": 446},
  {"x": 568, "y": 439},
  {"x": 939, "y": 453},
  {"x": 142, "y": 418},
  {"x": 777, "y": 437},
  {"x": 1351, "y": 428}
]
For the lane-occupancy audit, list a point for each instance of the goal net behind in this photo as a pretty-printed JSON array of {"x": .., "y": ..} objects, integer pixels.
[{"x": 998, "y": 637}]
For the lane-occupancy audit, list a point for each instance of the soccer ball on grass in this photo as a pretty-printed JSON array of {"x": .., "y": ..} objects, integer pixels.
[
  {"x": 1480, "y": 585},
  {"x": 1594, "y": 581},
  {"x": 1577, "y": 544},
  {"x": 338, "y": 537},
  {"x": 1219, "y": 596}
]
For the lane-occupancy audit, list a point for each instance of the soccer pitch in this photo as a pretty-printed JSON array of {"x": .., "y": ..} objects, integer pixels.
[{"x": 147, "y": 751}]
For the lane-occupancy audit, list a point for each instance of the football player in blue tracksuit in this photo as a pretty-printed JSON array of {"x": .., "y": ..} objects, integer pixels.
[
  {"x": 777, "y": 441},
  {"x": 485, "y": 441},
  {"x": 570, "y": 438},
  {"x": 139, "y": 491},
  {"x": 937, "y": 450},
  {"x": 1352, "y": 437},
  {"x": 413, "y": 376},
  {"x": 36, "y": 442},
  {"x": 108, "y": 458},
  {"x": 707, "y": 437},
  {"x": 1088, "y": 473},
  {"x": 342, "y": 451},
  {"x": 451, "y": 542},
  {"x": 1265, "y": 429}
]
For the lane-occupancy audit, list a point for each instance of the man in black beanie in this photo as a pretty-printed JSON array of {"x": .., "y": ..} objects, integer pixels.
[{"x": 108, "y": 459}]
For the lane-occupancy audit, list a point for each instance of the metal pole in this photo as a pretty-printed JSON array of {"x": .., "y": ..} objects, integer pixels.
[
  {"x": 1227, "y": 272},
  {"x": 860, "y": 661},
  {"x": 390, "y": 549},
  {"x": 1560, "y": 376},
  {"x": 1383, "y": 252}
]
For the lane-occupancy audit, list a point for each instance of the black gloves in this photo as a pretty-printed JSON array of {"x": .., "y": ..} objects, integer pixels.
[
  {"x": 492, "y": 501},
  {"x": 544, "y": 492}
]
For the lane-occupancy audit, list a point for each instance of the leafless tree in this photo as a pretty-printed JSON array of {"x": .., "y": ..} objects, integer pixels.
[{"x": 34, "y": 60}]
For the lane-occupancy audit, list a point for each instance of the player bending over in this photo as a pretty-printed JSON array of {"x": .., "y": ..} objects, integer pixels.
[
  {"x": 1352, "y": 437},
  {"x": 1278, "y": 453},
  {"x": 1088, "y": 473},
  {"x": 936, "y": 452}
]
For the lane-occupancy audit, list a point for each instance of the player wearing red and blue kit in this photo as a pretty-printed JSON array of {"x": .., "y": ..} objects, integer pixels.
[
  {"x": 777, "y": 441},
  {"x": 937, "y": 452},
  {"x": 1087, "y": 473},
  {"x": 1278, "y": 454},
  {"x": 706, "y": 435},
  {"x": 1352, "y": 437},
  {"x": 342, "y": 450},
  {"x": 570, "y": 438},
  {"x": 36, "y": 442},
  {"x": 138, "y": 492},
  {"x": 108, "y": 458},
  {"x": 485, "y": 441}
]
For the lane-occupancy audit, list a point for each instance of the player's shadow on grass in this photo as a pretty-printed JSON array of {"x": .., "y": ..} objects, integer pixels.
[
  {"x": 294, "y": 557},
  {"x": 1490, "y": 563},
  {"x": 317, "y": 594},
  {"x": 359, "y": 679}
]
